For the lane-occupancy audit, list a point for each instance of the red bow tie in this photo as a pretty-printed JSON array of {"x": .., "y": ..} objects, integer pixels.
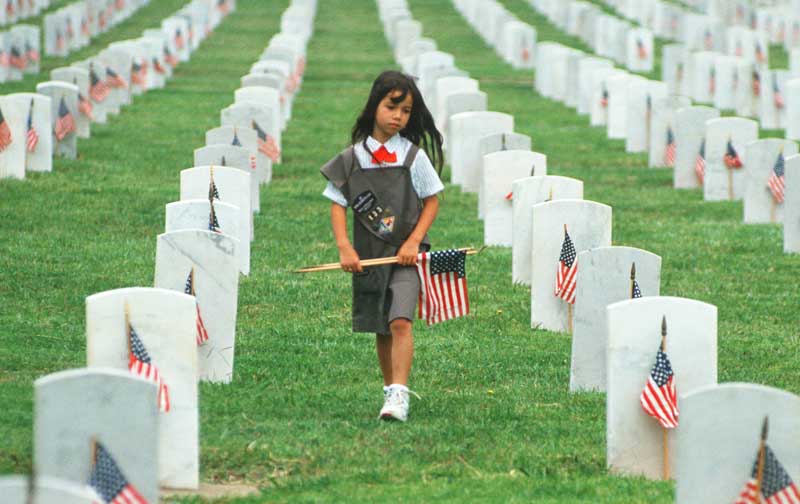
[{"x": 383, "y": 156}]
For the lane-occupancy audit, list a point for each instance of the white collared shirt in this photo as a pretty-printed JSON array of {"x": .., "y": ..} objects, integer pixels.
[{"x": 424, "y": 178}]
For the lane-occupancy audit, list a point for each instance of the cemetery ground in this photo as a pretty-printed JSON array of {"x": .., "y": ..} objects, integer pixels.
[{"x": 496, "y": 420}]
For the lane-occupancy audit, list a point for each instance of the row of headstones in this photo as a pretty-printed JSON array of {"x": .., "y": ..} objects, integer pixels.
[
  {"x": 142, "y": 418},
  {"x": 49, "y": 122},
  {"x": 19, "y": 52},
  {"x": 18, "y": 10},
  {"x": 614, "y": 336},
  {"x": 73, "y": 26}
]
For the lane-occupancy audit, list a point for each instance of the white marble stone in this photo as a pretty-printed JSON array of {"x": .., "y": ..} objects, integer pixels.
[
  {"x": 63, "y": 434},
  {"x": 662, "y": 119},
  {"x": 466, "y": 129},
  {"x": 642, "y": 96},
  {"x": 446, "y": 86},
  {"x": 46, "y": 490},
  {"x": 32, "y": 36},
  {"x": 639, "y": 50},
  {"x": 690, "y": 127},
  {"x": 406, "y": 31},
  {"x": 100, "y": 110},
  {"x": 519, "y": 40},
  {"x": 68, "y": 93},
  {"x": 177, "y": 29},
  {"x": 196, "y": 214},
  {"x": 572, "y": 93},
  {"x": 528, "y": 192},
  {"x": 79, "y": 77},
  {"x": 791, "y": 214},
  {"x": 494, "y": 143},
  {"x": 248, "y": 138},
  {"x": 216, "y": 281},
  {"x": 792, "y": 96},
  {"x": 245, "y": 115},
  {"x": 760, "y": 157},
  {"x": 589, "y": 226},
  {"x": 476, "y": 101},
  {"x": 598, "y": 112},
  {"x": 718, "y": 439},
  {"x": 720, "y": 182},
  {"x": 633, "y": 438},
  {"x": 618, "y": 95},
  {"x": 546, "y": 54},
  {"x": 560, "y": 74},
  {"x": 164, "y": 320},
  {"x": 500, "y": 170},
  {"x": 725, "y": 82},
  {"x": 271, "y": 98},
  {"x": 235, "y": 157},
  {"x": 120, "y": 63},
  {"x": 586, "y": 68},
  {"x": 15, "y": 159},
  {"x": 673, "y": 66},
  {"x": 233, "y": 186},
  {"x": 702, "y": 64},
  {"x": 769, "y": 114},
  {"x": 746, "y": 100},
  {"x": 604, "y": 277}
]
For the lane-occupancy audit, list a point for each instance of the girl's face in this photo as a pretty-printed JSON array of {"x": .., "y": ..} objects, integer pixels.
[{"x": 391, "y": 117}]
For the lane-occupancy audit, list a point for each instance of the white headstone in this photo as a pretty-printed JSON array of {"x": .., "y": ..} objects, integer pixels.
[
  {"x": 15, "y": 159},
  {"x": 792, "y": 96},
  {"x": 642, "y": 96},
  {"x": 457, "y": 103},
  {"x": 586, "y": 68},
  {"x": 466, "y": 129},
  {"x": 702, "y": 73},
  {"x": 165, "y": 323},
  {"x": 235, "y": 157},
  {"x": 528, "y": 192},
  {"x": 634, "y": 440},
  {"x": 760, "y": 159},
  {"x": 604, "y": 277},
  {"x": 690, "y": 126},
  {"x": 725, "y": 82},
  {"x": 196, "y": 214},
  {"x": 76, "y": 407},
  {"x": 501, "y": 169},
  {"x": 791, "y": 215},
  {"x": 721, "y": 182},
  {"x": 216, "y": 281},
  {"x": 250, "y": 115},
  {"x": 46, "y": 490},
  {"x": 248, "y": 138},
  {"x": 494, "y": 143},
  {"x": 639, "y": 53},
  {"x": 589, "y": 226},
  {"x": 718, "y": 439},
  {"x": 117, "y": 62},
  {"x": 600, "y": 101},
  {"x": 269, "y": 97},
  {"x": 662, "y": 125},
  {"x": 233, "y": 186},
  {"x": 447, "y": 86},
  {"x": 79, "y": 77}
]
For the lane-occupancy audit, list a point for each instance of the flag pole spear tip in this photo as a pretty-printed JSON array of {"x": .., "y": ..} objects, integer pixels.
[
  {"x": 663, "y": 332},
  {"x": 565, "y": 228},
  {"x": 765, "y": 429},
  {"x": 633, "y": 271}
]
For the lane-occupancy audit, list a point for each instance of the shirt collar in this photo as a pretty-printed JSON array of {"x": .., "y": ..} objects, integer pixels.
[{"x": 391, "y": 144}]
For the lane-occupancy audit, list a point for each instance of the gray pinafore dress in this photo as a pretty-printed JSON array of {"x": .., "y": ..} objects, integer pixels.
[{"x": 385, "y": 211}]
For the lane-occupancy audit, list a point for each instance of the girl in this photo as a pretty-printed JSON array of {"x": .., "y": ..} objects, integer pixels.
[{"x": 391, "y": 186}]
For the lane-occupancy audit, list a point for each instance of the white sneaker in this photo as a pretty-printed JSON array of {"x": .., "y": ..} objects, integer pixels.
[{"x": 395, "y": 406}]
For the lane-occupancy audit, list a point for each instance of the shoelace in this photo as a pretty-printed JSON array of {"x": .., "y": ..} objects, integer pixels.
[{"x": 397, "y": 396}]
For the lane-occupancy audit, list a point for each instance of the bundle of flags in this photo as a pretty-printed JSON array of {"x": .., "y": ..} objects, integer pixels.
[
  {"x": 669, "y": 151},
  {"x": 5, "y": 133},
  {"x": 567, "y": 270},
  {"x": 659, "y": 398},
  {"x": 266, "y": 144},
  {"x": 65, "y": 124},
  {"x": 108, "y": 482},
  {"x": 443, "y": 285},
  {"x": 202, "y": 333},
  {"x": 700, "y": 162},
  {"x": 140, "y": 364},
  {"x": 776, "y": 183},
  {"x": 731, "y": 157},
  {"x": 31, "y": 136}
]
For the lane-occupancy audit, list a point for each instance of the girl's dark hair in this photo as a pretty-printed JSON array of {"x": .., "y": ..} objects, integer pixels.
[{"x": 420, "y": 130}]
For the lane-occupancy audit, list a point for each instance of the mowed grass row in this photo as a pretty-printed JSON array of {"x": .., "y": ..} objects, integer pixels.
[{"x": 496, "y": 421}]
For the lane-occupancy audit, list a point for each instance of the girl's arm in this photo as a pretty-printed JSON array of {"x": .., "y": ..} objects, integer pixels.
[
  {"x": 348, "y": 257},
  {"x": 407, "y": 255}
]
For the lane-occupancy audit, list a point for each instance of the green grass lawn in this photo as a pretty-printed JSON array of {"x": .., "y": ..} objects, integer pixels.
[{"x": 496, "y": 421}]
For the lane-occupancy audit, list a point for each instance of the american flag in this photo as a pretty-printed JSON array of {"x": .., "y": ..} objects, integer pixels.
[
  {"x": 237, "y": 143},
  {"x": 98, "y": 90},
  {"x": 641, "y": 50},
  {"x": 776, "y": 485},
  {"x": 669, "y": 151},
  {"x": 637, "y": 292},
  {"x": 526, "y": 54},
  {"x": 777, "y": 96},
  {"x": 31, "y": 137},
  {"x": 158, "y": 67},
  {"x": 5, "y": 59},
  {"x": 120, "y": 4},
  {"x": 679, "y": 73},
  {"x": 202, "y": 333},
  {"x": 739, "y": 51},
  {"x": 567, "y": 270},
  {"x": 760, "y": 57},
  {"x": 138, "y": 74},
  {"x": 140, "y": 364},
  {"x": 775, "y": 183},
  {"x": 510, "y": 196},
  {"x": 443, "y": 285},
  {"x": 101, "y": 19},
  {"x": 85, "y": 27},
  {"x": 223, "y": 7},
  {"x": 65, "y": 123},
  {"x": 85, "y": 106},
  {"x": 712, "y": 81},
  {"x": 179, "y": 42},
  {"x": 659, "y": 399},
  {"x": 708, "y": 40},
  {"x": 266, "y": 143},
  {"x": 756, "y": 83},
  {"x": 5, "y": 133},
  {"x": 731, "y": 157},
  {"x": 170, "y": 58},
  {"x": 17, "y": 59},
  {"x": 33, "y": 54},
  {"x": 114, "y": 80},
  {"x": 59, "y": 40},
  {"x": 70, "y": 31},
  {"x": 700, "y": 162},
  {"x": 10, "y": 7},
  {"x": 213, "y": 192},
  {"x": 604, "y": 97},
  {"x": 213, "y": 223},
  {"x": 108, "y": 481}
]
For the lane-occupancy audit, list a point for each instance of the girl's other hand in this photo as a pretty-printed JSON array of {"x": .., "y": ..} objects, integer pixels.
[
  {"x": 349, "y": 260},
  {"x": 407, "y": 255}
]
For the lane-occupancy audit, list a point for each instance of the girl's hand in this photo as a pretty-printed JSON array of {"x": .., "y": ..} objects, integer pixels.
[
  {"x": 349, "y": 260},
  {"x": 407, "y": 254}
]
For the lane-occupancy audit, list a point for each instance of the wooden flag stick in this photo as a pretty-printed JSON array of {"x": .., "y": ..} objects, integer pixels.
[
  {"x": 569, "y": 317},
  {"x": 633, "y": 277},
  {"x": 380, "y": 261},
  {"x": 730, "y": 184},
  {"x": 761, "y": 455},
  {"x": 664, "y": 429},
  {"x": 93, "y": 442},
  {"x": 128, "y": 325}
]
